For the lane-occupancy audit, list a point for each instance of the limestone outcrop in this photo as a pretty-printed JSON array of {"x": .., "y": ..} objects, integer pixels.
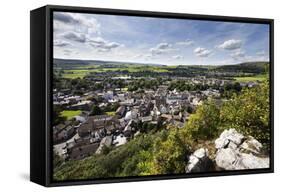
[
  {"x": 199, "y": 161},
  {"x": 236, "y": 151}
]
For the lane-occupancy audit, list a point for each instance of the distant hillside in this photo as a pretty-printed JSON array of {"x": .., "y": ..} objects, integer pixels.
[
  {"x": 247, "y": 67},
  {"x": 73, "y": 64},
  {"x": 77, "y": 62}
]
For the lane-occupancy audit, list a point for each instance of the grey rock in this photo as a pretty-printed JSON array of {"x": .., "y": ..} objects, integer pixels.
[
  {"x": 226, "y": 158},
  {"x": 240, "y": 152},
  {"x": 228, "y": 136},
  {"x": 192, "y": 165},
  {"x": 235, "y": 137},
  {"x": 221, "y": 143},
  {"x": 251, "y": 161},
  {"x": 201, "y": 153},
  {"x": 198, "y": 161},
  {"x": 251, "y": 145},
  {"x": 232, "y": 145}
]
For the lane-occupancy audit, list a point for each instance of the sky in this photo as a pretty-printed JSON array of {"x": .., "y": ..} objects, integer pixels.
[{"x": 158, "y": 40}]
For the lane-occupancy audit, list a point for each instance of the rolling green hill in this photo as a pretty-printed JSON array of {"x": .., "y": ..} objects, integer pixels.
[
  {"x": 80, "y": 68},
  {"x": 249, "y": 67}
]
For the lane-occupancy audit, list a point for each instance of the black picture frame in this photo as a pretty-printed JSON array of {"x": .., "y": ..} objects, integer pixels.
[{"x": 41, "y": 57}]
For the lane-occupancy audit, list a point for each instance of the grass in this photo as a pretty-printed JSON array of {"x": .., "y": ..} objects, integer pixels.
[
  {"x": 82, "y": 71},
  {"x": 132, "y": 69},
  {"x": 260, "y": 77},
  {"x": 110, "y": 113},
  {"x": 69, "y": 114},
  {"x": 73, "y": 73}
]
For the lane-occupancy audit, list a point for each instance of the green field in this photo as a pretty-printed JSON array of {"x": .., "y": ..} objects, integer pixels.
[
  {"x": 69, "y": 114},
  {"x": 261, "y": 77},
  {"x": 110, "y": 113},
  {"x": 73, "y": 73},
  {"x": 83, "y": 71}
]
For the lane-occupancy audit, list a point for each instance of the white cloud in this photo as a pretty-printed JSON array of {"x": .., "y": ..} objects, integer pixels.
[
  {"x": 97, "y": 40},
  {"x": 241, "y": 56},
  {"x": 73, "y": 36},
  {"x": 103, "y": 45},
  {"x": 238, "y": 55},
  {"x": 262, "y": 56},
  {"x": 147, "y": 57},
  {"x": 103, "y": 50},
  {"x": 187, "y": 42},
  {"x": 261, "y": 53},
  {"x": 75, "y": 22},
  {"x": 202, "y": 52},
  {"x": 138, "y": 55},
  {"x": 231, "y": 44},
  {"x": 65, "y": 18},
  {"x": 61, "y": 43},
  {"x": 177, "y": 57},
  {"x": 161, "y": 48},
  {"x": 67, "y": 52}
]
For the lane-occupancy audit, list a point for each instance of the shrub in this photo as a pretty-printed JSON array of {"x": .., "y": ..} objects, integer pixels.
[
  {"x": 96, "y": 110},
  {"x": 203, "y": 124},
  {"x": 249, "y": 113},
  {"x": 169, "y": 156}
]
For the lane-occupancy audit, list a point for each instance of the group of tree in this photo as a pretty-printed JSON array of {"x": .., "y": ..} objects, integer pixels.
[
  {"x": 96, "y": 110},
  {"x": 181, "y": 85},
  {"x": 145, "y": 84},
  {"x": 56, "y": 115},
  {"x": 116, "y": 83},
  {"x": 247, "y": 112},
  {"x": 229, "y": 89}
]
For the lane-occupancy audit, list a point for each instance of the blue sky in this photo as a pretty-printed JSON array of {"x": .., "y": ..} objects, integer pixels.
[{"x": 158, "y": 40}]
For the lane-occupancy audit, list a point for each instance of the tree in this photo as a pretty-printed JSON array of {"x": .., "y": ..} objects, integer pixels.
[
  {"x": 189, "y": 109},
  {"x": 237, "y": 87},
  {"x": 204, "y": 123},
  {"x": 229, "y": 90},
  {"x": 169, "y": 155},
  {"x": 75, "y": 81},
  {"x": 57, "y": 118},
  {"x": 96, "y": 110},
  {"x": 249, "y": 113}
]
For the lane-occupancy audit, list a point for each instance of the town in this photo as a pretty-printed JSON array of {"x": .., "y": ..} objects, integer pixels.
[{"x": 113, "y": 110}]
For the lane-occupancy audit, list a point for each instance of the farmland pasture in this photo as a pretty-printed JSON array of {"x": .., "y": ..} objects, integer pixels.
[
  {"x": 261, "y": 77},
  {"x": 69, "y": 114},
  {"x": 82, "y": 71}
]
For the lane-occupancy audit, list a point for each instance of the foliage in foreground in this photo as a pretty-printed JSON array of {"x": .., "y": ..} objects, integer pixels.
[
  {"x": 204, "y": 123},
  {"x": 159, "y": 153},
  {"x": 247, "y": 112}
]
